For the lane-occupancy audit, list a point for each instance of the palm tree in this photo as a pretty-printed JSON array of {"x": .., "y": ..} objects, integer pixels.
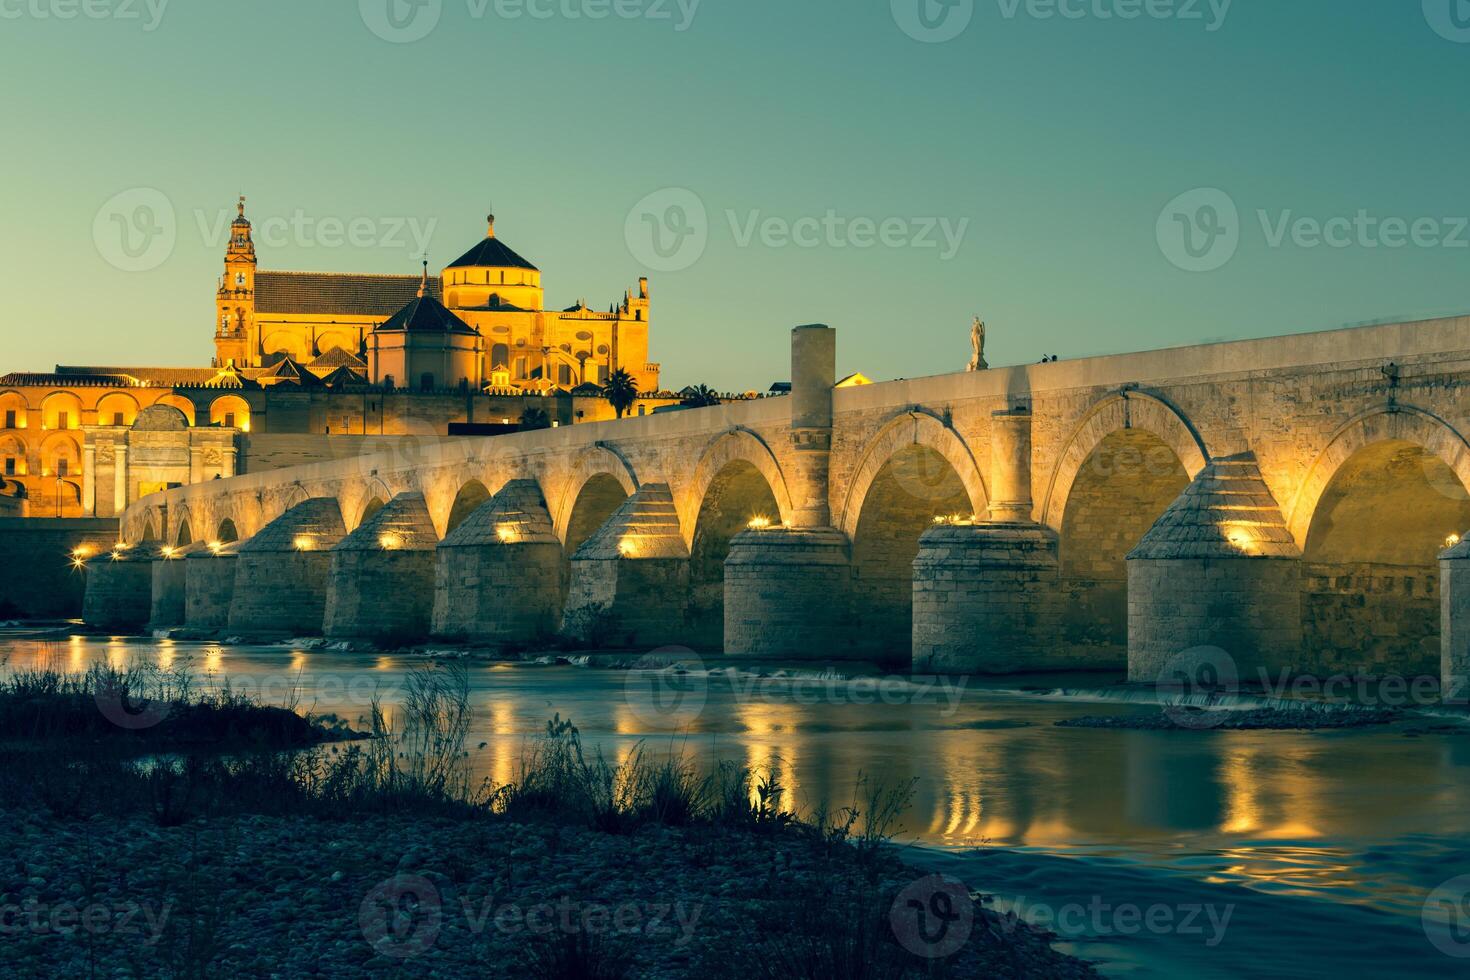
[
  {"x": 535, "y": 418},
  {"x": 621, "y": 390},
  {"x": 701, "y": 396}
]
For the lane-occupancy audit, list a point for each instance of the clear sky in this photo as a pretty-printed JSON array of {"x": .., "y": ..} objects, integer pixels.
[{"x": 1020, "y": 160}]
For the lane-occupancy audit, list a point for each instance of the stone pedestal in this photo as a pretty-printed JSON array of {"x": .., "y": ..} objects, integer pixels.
[
  {"x": 281, "y": 573},
  {"x": 209, "y": 586},
  {"x": 630, "y": 581},
  {"x": 788, "y": 593},
  {"x": 497, "y": 577},
  {"x": 1454, "y": 624},
  {"x": 120, "y": 589},
  {"x": 381, "y": 583},
  {"x": 986, "y": 600},
  {"x": 170, "y": 588},
  {"x": 1221, "y": 570}
]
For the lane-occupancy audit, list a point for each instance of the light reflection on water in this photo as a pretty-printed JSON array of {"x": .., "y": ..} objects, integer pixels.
[{"x": 1374, "y": 818}]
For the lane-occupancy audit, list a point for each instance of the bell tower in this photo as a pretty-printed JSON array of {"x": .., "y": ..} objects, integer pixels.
[{"x": 234, "y": 322}]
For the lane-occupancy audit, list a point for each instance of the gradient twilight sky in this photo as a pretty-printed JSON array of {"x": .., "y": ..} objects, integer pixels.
[{"x": 1055, "y": 142}]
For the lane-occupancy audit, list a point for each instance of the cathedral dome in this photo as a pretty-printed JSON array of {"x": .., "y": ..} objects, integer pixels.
[{"x": 491, "y": 276}]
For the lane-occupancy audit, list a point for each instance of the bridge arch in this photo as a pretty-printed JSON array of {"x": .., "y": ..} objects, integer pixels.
[
  {"x": 1377, "y": 507},
  {"x": 738, "y": 445},
  {"x": 915, "y": 428},
  {"x": 736, "y": 481},
  {"x": 1123, "y": 411},
  {"x": 363, "y": 500},
  {"x": 470, "y": 497},
  {"x": 588, "y": 486},
  {"x": 914, "y": 470},
  {"x": 1403, "y": 423},
  {"x": 226, "y": 532}
]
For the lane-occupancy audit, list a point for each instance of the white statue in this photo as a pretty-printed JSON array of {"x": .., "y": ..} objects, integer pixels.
[{"x": 977, "y": 342}]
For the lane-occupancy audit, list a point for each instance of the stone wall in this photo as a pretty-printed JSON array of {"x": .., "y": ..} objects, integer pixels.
[
  {"x": 985, "y": 601},
  {"x": 1370, "y": 619},
  {"x": 788, "y": 593},
  {"x": 38, "y": 578},
  {"x": 381, "y": 595},
  {"x": 280, "y": 593},
  {"x": 119, "y": 593},
  {"x": 170, "y": 584},
  {"x": 1248, "y": 607},
  {"x": 209, "y": 587}
]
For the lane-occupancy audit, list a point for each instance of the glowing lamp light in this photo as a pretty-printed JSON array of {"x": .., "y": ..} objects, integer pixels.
[
  {"x": 168, "y": 551},
  {"x": 215, "y": 546},
  {"x": 390, "y": 541},
  {"x": 1452, "y": 540},
  {"x": 627, "y": 546},
  {"x": 759, "y": 523},
  {"x": 81, "y": 551},
  {"x": 117, "y": 556},
  {"x": 506, "y": 534},
  {"x": 303, "y": 542}
]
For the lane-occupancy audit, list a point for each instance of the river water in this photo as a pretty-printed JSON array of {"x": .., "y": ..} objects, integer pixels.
[{"x": 1201, "y": 853}]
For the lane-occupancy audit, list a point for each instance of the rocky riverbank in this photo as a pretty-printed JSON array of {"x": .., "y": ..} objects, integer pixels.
[{"x": 412, "y": 896}]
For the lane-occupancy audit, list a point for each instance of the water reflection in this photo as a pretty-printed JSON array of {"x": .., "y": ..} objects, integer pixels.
[{"x": 1288, "y": 812}]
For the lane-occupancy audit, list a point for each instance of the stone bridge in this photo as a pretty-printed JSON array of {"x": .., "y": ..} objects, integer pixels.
[{"x": 1286, "y": 500}]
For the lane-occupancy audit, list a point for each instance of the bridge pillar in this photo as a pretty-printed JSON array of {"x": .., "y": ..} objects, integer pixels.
[
  {"x": 209, "y": 586},
  {"x": 498, "y": 576},
  {"x": 1010, "y": 466},
  {"x": 787, "y": 593},
  {"x": 119, "y": 592},
  {"x": 787, "y": 589},
  {"x": 380, "y": 585},
  {"x": 630, "y": 580},
  {"x": 1219, "y": 569},
  {"x": 170, "y": 584},
  {"x": 986, "y": 594},
  {"x": 1454, "y": 624},
  {"x": 281, "y": 573},
  {"x": 986, "y": 600}
]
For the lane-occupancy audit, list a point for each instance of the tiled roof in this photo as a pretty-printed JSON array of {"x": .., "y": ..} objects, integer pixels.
[
  {"x": 1226, "y": 512},
  {"x": 335, "y": 358},
  {"x": 425, "y": 314},
  {"x": 345, "y": 377},
  {"x": 344, "y": 293},
  {"x": 287, "y": 371},
  {"x": 157, "y": 377},
  {"x": 491, "y": 253}
]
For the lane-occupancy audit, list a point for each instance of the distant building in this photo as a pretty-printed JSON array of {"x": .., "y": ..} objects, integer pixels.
[{"x": 304, "y": 361}]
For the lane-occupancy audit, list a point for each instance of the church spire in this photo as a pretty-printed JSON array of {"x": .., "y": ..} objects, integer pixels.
[
  {"x": 490, "y": 219},
  {"x": 424, "y": 282}
]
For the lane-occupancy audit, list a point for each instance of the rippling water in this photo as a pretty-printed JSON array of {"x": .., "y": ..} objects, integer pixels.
[{"x": 1320, "y": 847}]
